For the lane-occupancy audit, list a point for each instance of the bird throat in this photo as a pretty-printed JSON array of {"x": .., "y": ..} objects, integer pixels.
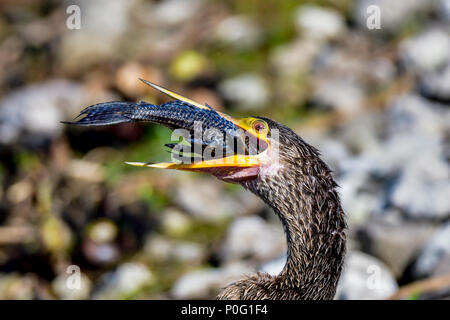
[{"x": 310, "y": 211}]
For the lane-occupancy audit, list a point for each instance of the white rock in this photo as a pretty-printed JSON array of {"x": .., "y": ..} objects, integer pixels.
[
  {"x": 175, "y": 12},
  {"x": 38, "y": 109},
  {"x": 238, "y": 31},
  {"x": 395, "y": 241},
  {"x": 294, "y": 58},
  {"x": 357, "y": 203},
  {"x": 317, "y": 22},
  {"x": 345, "y": 95},
  {"x": 413, "y": 114},
  {"x": 424, "y": 187},
  {"x": 252, "y": 237},
  {"x": 247, "y": 90},
  {"x": 204, "y": 284},
  {"x": 393, "y": 14},
  {"x": 435, "y": 251},
  {"x": 427, "y": 51},
  {"x": 274, "y": 267},
  {"x": 126, "y": 279},
  {"x": 437, "y": 84},
  {"x": 444, "y": 9},
  {"x": 103, "y": 22},
  {"x": 205, "y": 199},
  {"x": 59, "y": 285},
  {"x": 189, "y": 252},
  {"x": 365, "y": 278}
]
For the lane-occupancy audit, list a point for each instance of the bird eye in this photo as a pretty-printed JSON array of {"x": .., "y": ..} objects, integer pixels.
[{"x": 259, "y": 126}]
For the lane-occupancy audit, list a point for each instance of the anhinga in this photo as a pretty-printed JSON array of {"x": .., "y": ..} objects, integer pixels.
[{"x": 271, "y": 161}]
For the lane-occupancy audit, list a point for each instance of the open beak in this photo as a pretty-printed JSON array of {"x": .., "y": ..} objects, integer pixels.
[{"x": 233, "y": 157}]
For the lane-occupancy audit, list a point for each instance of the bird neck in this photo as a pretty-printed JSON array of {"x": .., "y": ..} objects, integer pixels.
[
  {"x": 316, "y": 246},
  {"x": 310, "y": 211}
]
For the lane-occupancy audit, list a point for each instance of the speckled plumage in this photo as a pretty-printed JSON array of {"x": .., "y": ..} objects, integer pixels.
[{"x": 303, "y": 194}]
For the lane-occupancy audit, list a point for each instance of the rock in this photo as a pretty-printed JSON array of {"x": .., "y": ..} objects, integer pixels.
[
  {"x": 158, "y": 248},
  {"x": 359, "y": 197},
  {"x": 387, "y": 170},
  {"x": 426, "y": 52},
  {"x": 174, "y": 222},
  {"x": 162, "y": 249},
  {"x": 396, "y": 243},
  {"x": 37, "y": 109},
  {"x": 413, "y": 114},
  {"x": 205, "y": 284},
  {"x": 393, "y": 14},
  {"x": 60, "y": 287},
  {"x": 294, "y": 59},
  {"x": 253, "y": 238},
  {"x": 423, "y": 188},
  {"x": 365, "y": 278},
  {"x": 437, "y": 84},
  {"x": 189, "y": 252},
  {"x": 345, "y": 95},
  {"x": 19, "y": 191},
  {"x": 14, "y": 286},
  {"x": 239, "y": 32},
  {"x": 318, "y": 22},
  {"x": 274, "y": 267},
  {"x": 100, "y": 254},
  {"x": 431, "y": 261},
  {"x": 102, "y": 231},
  {"x": 103, "y": 23},
  {"x": 249, "y": 91},
  {"x": 33, "y": 113},
  {"x": 85, "y": 170},
  {"x": 175, "y": 12},
  {"x": 444, "y": 9},
  {"x": 205, "y": 199},
  {"x": 334, "y": 152},
  {"x": 125, "y": 281}
]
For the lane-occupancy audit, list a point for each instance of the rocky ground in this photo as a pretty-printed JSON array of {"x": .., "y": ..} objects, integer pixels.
[{"x": 375, "y": 102}]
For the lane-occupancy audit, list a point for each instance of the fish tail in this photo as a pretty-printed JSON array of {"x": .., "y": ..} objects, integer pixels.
[{"x": 109, "y": 113}]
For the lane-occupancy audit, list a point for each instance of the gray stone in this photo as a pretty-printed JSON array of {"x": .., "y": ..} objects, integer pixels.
[
  {"x": 433, "y": 256},
  {"x": 393, "y": 14},
  {"x": 427, "y": 51},
  {"x": 437, "y": 84},
  {"x": 365, "y": 278},
  {"x": 423, "y": 188},
  {"x": 318, "y": 22},
  {"x": 253, "y": 238},
  {"x": 60, "y": 287},
  {"x": 125, "y": 280},
  {"x": 103, "y": 23},
  {"x": 205, "y": 283},
  {"x": 175, "y": 12},
  {"x": 38, "y": 109},
  {"x": 396, "y": 243},
  {"x": 444, "y": 9},
  {"x": 295, "y": 58},
  {"x": 274, "y": 267},
  {"x": 239, "y": 32},
  {"x": 247, "y": 90},
  {"x": 205, "y": 199},
  {"x": 343, "y": 94}
]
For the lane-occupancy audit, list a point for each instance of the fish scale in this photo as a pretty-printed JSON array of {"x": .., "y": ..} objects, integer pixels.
[{"x": 173, "y": 114}]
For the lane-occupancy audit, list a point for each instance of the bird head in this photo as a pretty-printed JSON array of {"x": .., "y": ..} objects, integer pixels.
[{"x": 232, "y": 149}]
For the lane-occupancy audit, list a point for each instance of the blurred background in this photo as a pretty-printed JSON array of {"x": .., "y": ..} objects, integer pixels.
[{"x": 374, "y": 100}]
